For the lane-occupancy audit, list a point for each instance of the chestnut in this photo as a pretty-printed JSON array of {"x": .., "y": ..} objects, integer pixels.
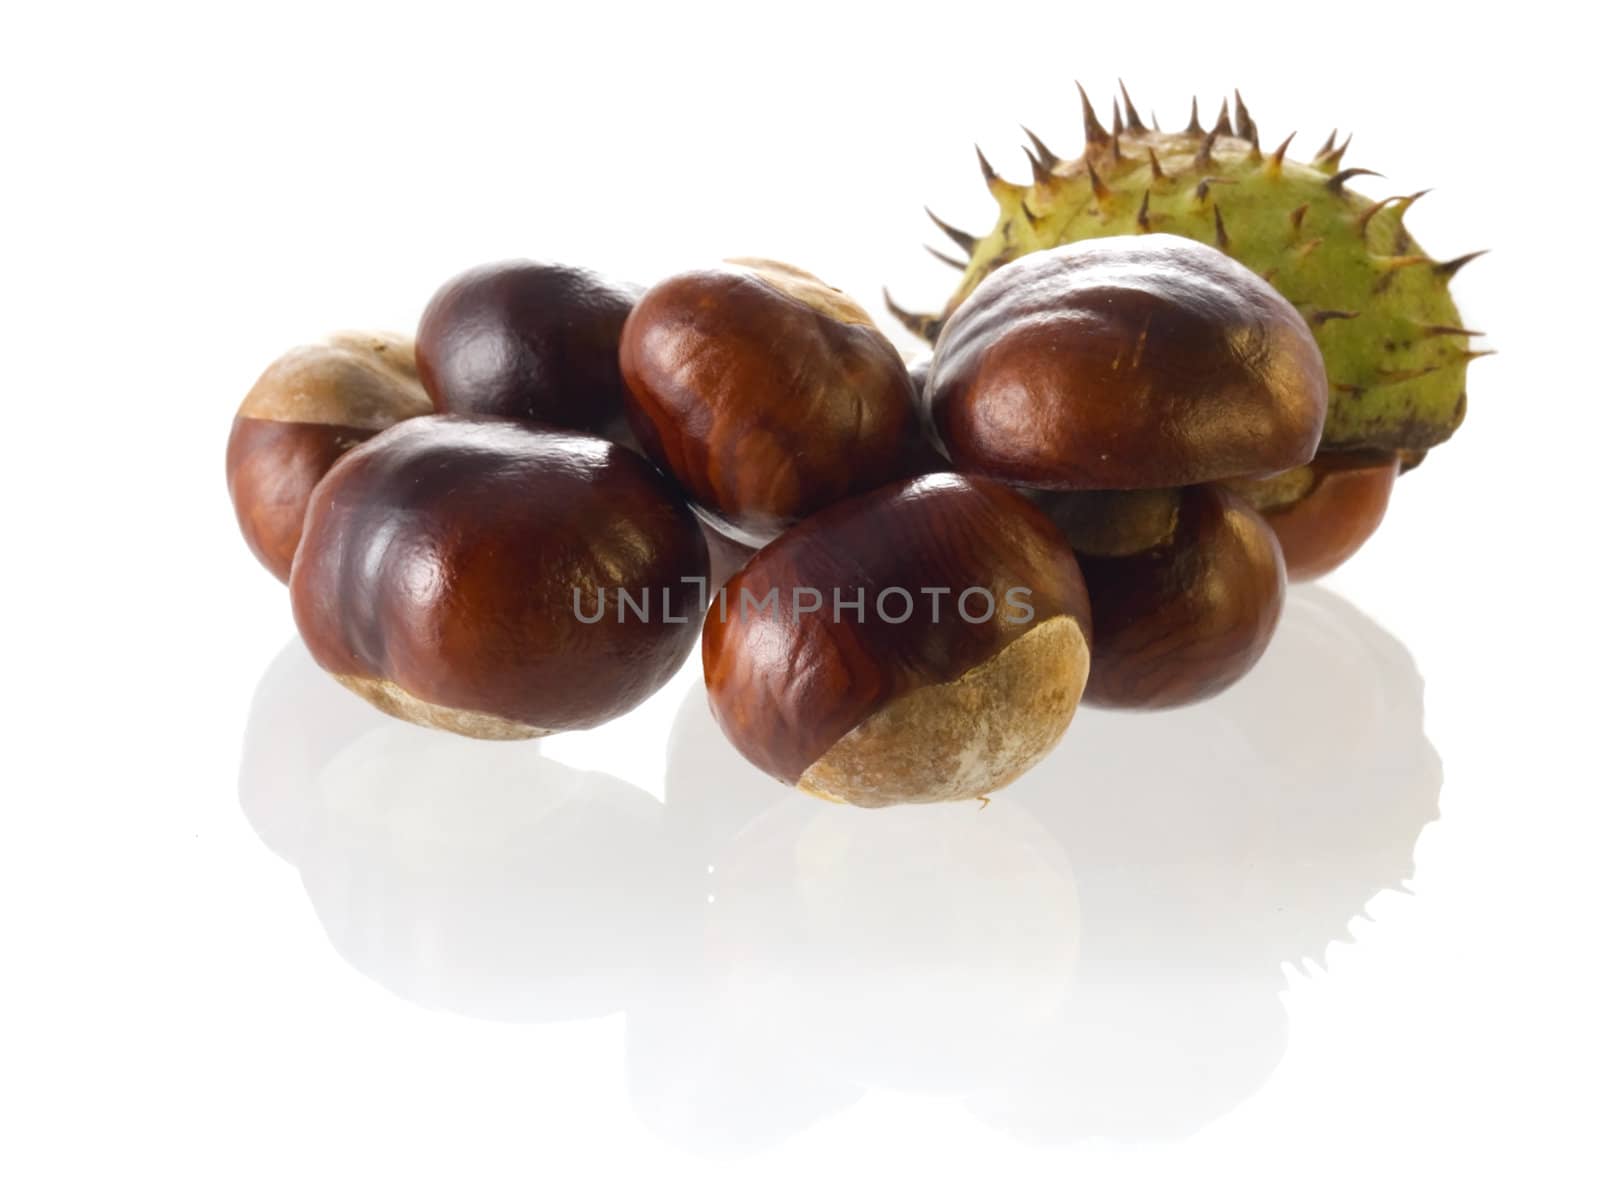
[
  {"x": 498, "y": 579},
  {"x": 765, "y": 393},
  {"x": 1324, "y": 512},
  {"x": 926, "y": 641},
  {"x": 530, "y": 340},
  {"x": 1185, "y": 587},
  {"x": 1145, "y": 361},
  {"x": 308, "y": 407}
]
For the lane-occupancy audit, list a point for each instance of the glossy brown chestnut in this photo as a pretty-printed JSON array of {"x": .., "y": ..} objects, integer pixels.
[
  {"x": 1323, "y": 513},
  {"x": 529, "y": 340},
  {"x": 1126, "y": 362},
  {"x": 1186, "y": 590},
  {"x": 469, "y": 574},
  {"x": 959, "y": 668},
  {"x": 766, "y": 393},
  {"x": 308, "y": 408}
]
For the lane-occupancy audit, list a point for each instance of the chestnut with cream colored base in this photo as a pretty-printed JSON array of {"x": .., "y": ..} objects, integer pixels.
[
  {"x": 397, "y": 702},
  {"x": 963, "y": 739}
]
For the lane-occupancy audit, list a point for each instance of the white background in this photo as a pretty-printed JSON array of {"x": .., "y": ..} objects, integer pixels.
[{"x": 432, "y": 967}]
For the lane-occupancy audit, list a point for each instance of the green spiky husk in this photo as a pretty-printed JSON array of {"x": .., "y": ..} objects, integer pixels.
[{"x": 1379, "y": 307}]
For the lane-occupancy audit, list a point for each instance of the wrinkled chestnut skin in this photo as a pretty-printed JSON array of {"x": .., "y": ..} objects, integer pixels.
[
  {"x": 1184, "y": 619},
  {"x": 1348, "y": 498},
  {"x": 765, "y": 393},
  {"x": 785, "y": 689},
  {"x": 528, "y": 340},
  {"x": 1126, "y": 362},
  {"x": 441, "y": 557},
  {"x": 306, "y": 410}
]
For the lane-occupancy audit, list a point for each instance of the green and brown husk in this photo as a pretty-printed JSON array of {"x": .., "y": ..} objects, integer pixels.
[{"x": 1380, "y": 306}]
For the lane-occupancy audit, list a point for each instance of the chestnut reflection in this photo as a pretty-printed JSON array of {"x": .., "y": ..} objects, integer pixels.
[
  {"x": 1144, "y": 1007},
  {"x": 1099, "y": 952},
  {"x": 473, "y": 877}
]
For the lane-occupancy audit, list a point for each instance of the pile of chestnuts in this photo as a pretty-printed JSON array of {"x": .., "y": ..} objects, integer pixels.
[{"x": 903, "y": 578}]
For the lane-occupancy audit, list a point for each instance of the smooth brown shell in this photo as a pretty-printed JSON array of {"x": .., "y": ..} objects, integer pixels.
[
  {"x": 786, "y": 688},
  {"x": 1126, "y": 362},
  {"x": 1343, "y": 507},
  {"x": 1185, "y": 619},
  {"x": 437, "y": 574},
  {"x": 308, "y": 408},
  {"x": 528, "y": 340},
  {"x": 767, "y": 394}
]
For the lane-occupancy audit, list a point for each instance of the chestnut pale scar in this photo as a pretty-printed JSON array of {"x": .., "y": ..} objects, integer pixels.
[
  {"x": 963, "y": 739},
  {"x": 807, "y": 289}
]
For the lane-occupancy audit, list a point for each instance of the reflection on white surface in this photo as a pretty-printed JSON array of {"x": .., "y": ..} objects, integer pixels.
[
  {"x": 1211, "y": 846},
  {"x": 1097, "y": 952},
  {"x": 473, "y": 877},
  {"x": 839, "y": 949}
]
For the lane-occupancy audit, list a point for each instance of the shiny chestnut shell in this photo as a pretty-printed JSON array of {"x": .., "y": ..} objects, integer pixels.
[
  {"x": 789, "y": 688},
  {"x": 308, "y": 408},
  {"x": 530, "y": 340},
  {"x": 1126, "y": 362},
  {"x": 438, "y": 572},
  {"x": 1344, "y": 502},
  {"x": 1185, "y": 618},
  {"x": 765, "y": 393}
]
